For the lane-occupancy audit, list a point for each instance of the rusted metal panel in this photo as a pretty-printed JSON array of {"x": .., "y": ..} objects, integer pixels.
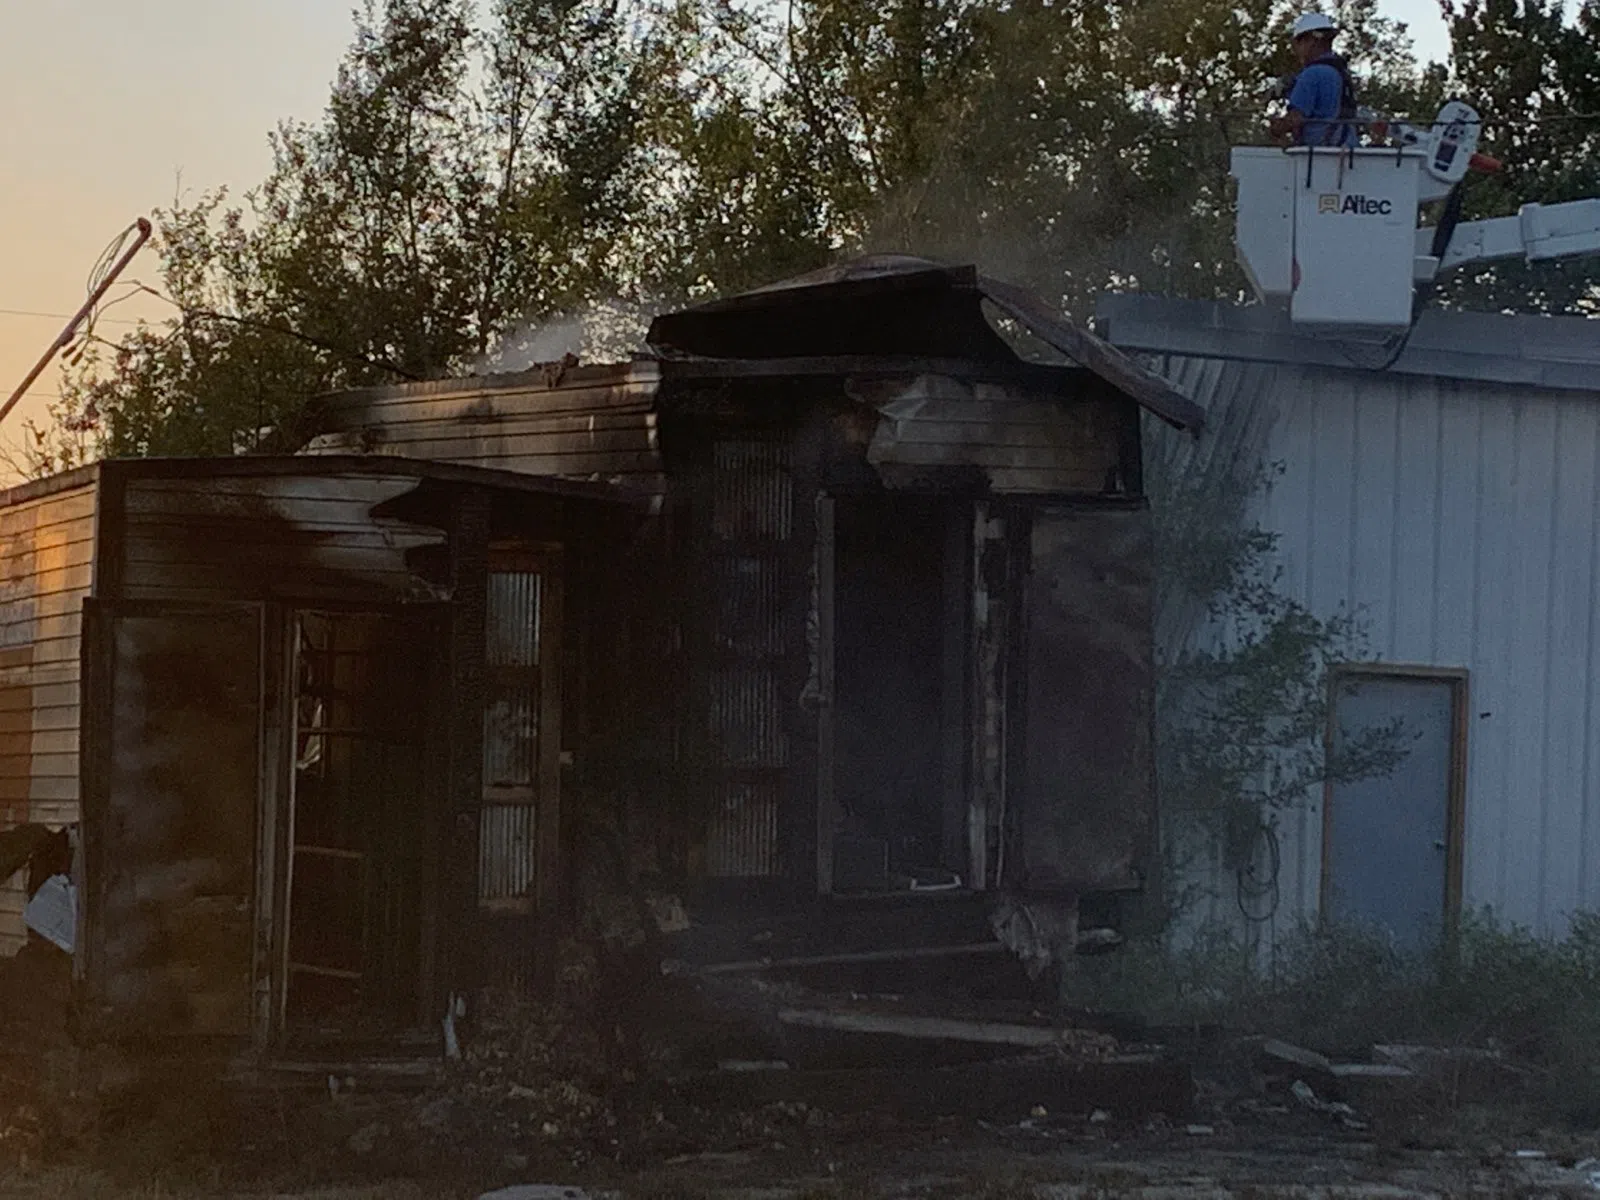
[
  {"x": 742, "y": 840},
  {"x": 1020, "y": 441},
  {"x": 171, "y": 827},
  {"x": 519, "y": 854},
  {"x": 1087, "y": 802},
  {"x": 46, "y": 570}
]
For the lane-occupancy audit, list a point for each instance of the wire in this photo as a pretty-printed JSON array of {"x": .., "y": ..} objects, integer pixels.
[
  {"x": 1254, "y": 886},
  {"x": 28, "y": 312},
  {"x": 108, "y": 256},
  {"x": 101, "y": 270},
  {"x": 284, "y": 331},
  {"x": 1497, "y": 122}
]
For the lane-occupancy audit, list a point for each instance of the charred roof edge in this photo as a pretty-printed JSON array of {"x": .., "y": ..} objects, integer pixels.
[
  {"x": 690, "y": 366},
  {"x": 543, "y": 377},
  {"x": 265, "y": 466}
]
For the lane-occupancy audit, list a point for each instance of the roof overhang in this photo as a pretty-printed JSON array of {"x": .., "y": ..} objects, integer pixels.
[
  {"x": 899, "y": 307},
  {"x": 1556, "y": 353}
]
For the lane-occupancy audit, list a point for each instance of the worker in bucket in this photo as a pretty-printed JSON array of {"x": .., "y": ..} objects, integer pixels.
[{"x": 1322, "y": 96}]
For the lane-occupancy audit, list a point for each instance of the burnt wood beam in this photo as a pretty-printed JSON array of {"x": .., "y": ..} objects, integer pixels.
[{"x": 459, "y": 953}]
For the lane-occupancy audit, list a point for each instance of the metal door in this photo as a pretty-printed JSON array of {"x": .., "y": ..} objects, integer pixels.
[
  {"x": 1389, "y": 846},
  {"x": 172, "y": 760},
  {"x": 1087, "y": 820}
]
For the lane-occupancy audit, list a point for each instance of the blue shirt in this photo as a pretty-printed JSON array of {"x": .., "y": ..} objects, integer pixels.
[{"x": 1317, "y": 96}]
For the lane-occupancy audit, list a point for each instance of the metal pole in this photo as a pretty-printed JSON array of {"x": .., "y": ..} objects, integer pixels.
[{"x": 67, "y": 334}]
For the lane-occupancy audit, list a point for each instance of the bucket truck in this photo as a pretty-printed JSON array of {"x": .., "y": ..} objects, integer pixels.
[{"x": 1332, "y": 235}]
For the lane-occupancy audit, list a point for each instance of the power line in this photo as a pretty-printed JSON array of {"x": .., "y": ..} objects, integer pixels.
[{"x": 28, "y": 312}]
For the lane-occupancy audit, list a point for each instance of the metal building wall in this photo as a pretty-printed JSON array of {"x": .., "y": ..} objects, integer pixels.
[
  {"x": 1462, "y": 520},
  {"x": 46, "y": 570}
]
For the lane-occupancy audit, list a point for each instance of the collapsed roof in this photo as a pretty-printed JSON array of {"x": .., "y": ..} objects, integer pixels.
[{"x": 900, "y": 305}]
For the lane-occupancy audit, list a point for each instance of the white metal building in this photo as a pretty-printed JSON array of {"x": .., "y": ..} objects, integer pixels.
[{"x": 1454, "y": 499}]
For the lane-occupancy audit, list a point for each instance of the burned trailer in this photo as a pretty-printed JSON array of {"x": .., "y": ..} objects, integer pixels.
[
  {"x": 902, "y": 601},
  {"x": 321, "y": 732}
]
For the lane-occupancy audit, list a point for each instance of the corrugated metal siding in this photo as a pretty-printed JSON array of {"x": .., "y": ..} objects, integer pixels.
[
  {"x": 506, "y": 850},
  {"x": 46, "y": 570},
  {"x": 751, "y": 522},
  {"x": 215, "y": 539},
  {"x": 589, "y": 423},
  {"x": 1462, "y": 521}
]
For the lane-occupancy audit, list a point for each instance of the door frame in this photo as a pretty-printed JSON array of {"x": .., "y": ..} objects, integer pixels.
[
  {"x": 1458, "y": 680},
  {"x": 280, "y": 755}
]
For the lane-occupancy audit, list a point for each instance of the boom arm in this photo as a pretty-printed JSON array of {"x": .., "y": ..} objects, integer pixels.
[{"x": 1538, "y": 231}]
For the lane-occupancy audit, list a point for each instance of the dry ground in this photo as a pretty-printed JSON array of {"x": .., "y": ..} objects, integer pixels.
[{"x": 945, "y": 1160}]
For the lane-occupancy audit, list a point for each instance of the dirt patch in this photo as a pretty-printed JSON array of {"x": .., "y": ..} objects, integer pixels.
[{"x": 37, "y": 1058}]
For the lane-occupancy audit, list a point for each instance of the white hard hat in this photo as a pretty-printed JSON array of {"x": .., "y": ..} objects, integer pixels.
[{"x": 1312, "y": 23}]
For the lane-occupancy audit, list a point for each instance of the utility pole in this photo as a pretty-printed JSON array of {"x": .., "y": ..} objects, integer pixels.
[{"x": 64, "y": 339}]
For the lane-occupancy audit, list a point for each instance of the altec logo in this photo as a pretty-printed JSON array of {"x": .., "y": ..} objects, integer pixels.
[{"x": 1355, "y": 205}]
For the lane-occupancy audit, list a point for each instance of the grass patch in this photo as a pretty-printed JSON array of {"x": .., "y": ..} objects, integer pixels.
[{"x": 1494, "y": 987}]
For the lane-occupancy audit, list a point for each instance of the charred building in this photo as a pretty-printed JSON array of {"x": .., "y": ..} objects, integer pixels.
[{"x": 833, "y": 607}]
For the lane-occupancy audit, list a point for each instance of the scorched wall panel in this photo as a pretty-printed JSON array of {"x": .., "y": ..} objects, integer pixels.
[
  {"x": 220, "y": 539},
  {"x": 586, "y": 423}
]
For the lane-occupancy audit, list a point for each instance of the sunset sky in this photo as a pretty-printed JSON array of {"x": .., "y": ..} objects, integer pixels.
[{"x": 114, "y": 108}]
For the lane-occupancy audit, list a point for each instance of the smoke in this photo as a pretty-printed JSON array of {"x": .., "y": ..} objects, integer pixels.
[{"x": 611, "y": 330}]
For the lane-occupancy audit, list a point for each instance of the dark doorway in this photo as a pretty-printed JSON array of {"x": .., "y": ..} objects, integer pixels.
[
  {"x": 357, "y": 830},
  {"x": 890, "y": 696}
]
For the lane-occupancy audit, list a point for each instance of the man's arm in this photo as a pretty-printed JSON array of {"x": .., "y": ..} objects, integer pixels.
[{"x": 1288, "y": 127}]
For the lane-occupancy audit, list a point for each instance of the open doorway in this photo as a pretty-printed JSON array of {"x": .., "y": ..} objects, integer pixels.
[
  {"x": 356, "y": 835},
  {"x": 894, "y": 691}
]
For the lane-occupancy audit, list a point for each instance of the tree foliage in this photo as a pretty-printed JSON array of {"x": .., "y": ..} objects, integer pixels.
[
  {"x": 1243, "y": 696},
  {"x": 480, "y": 170},
  {"x": 1535, "y": 76}
]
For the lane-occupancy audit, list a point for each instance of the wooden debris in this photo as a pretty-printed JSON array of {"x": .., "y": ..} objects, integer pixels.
[
  {"x": 863, "y": 957},
  {"x": 991, "y": 1033},
  {"x": 1371, "y": 1071},
  {"x": 1297, "y": 1056}
]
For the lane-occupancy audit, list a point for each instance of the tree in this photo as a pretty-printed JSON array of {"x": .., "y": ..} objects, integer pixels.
[
  {"x": 397, "y": 238},
  {"x": 1242, "y": 698},
  {"x": 1535, "y": 77},
  {"x": 469, "y": 179}
]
